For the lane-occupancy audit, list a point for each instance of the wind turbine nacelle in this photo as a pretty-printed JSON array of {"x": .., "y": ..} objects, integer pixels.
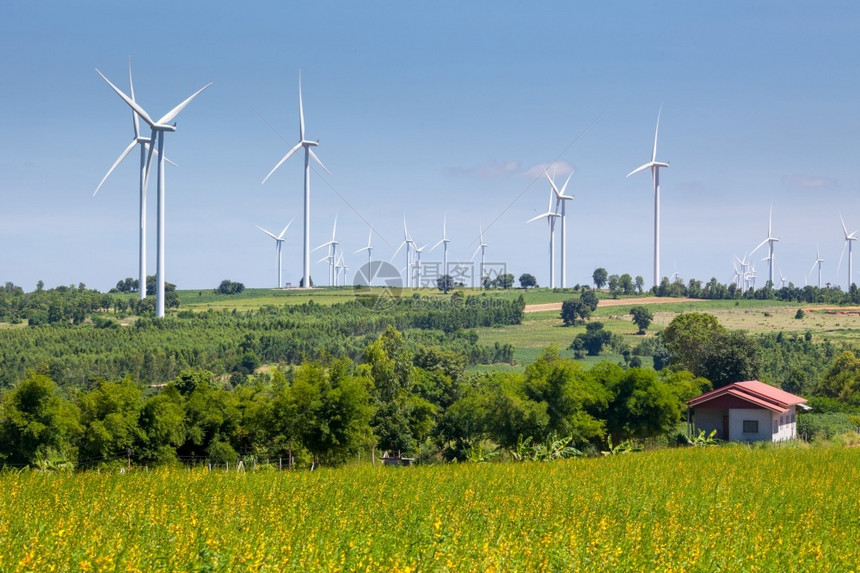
[
  {"x": 309, "y": 143},
  {"x": 659, "y": 164},
  {"x": 165, "y": 127}
]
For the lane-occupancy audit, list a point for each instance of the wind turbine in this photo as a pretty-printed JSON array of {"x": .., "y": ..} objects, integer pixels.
[
  {"x": 483, "y": 248},
  {"x": 369, "y": 250},
  {"x": 818, "y": 261},
  {"x": 279, "y": 240},
  {"x": 444, "y": 242},
  {"x": 849, "y": 238},
  {"x": 332, "y": 252},
  {"x": 143, "y": 142},
  {"x": 550, "y": 217},
  {"x": 409, "y": 243},
  {"x": 158, "y": 129},
  {"x": 782, "y": 280},
  {"x": 417, "y": 264},
  {"x": 655, "y": 166},
  {"x": 561, "y": 198},
  {"x": 307, "y": 144},
  {"x": 769, "y": 240}
]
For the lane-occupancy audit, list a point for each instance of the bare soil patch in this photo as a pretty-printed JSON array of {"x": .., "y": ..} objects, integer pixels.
[{"x": 613, "y": 302}]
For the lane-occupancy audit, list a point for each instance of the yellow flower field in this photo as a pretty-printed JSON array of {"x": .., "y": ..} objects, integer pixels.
[{"x": 709, "y": 509}]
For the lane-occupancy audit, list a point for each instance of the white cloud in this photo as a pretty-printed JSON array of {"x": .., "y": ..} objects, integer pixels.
[
  {"x": 809, "y": 182},
  {"x": 489, "y": 169},
  {"x": 554, "y": 168}
]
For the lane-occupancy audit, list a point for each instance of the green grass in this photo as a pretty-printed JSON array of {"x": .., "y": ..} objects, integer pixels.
[{"x": 693, "y": 509}]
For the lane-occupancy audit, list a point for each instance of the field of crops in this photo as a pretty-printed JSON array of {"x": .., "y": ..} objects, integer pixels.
[{"x": 711, "y": 509}]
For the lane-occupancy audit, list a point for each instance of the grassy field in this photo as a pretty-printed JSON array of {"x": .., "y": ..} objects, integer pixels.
[{"x": 723, "y": 509}]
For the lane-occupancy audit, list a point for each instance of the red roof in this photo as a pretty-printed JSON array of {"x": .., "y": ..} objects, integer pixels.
[{"x": 754, "y": 392}]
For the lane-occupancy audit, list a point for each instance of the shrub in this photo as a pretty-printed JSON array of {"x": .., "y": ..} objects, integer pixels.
[{"x": 824, "y": 426}]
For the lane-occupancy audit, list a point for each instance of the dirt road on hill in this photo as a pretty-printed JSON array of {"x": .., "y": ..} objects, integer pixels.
[{"x": 613, "y": 302}]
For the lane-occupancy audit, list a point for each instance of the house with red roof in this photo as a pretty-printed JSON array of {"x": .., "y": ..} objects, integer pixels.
[{"x": 747, "y": 412}]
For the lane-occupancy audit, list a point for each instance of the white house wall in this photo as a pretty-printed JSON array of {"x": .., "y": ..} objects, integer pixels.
[
  {"x": 786, "y": 425},
  {"x": 736, "y": 425}
]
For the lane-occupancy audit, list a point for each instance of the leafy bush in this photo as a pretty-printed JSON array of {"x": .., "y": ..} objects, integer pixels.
[{"x": 824, "y": 426}]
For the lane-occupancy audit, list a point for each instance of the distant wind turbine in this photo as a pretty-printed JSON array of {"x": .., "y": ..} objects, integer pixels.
[
  {"x": 483, "y": 248},
  {"x": 770, "y": 240},
  {"x": 562, "y": 199},
  {"x": 143, "y": 142},
  {"x": 279, "y": 240},
  {"x": 818, "y": 261},
  {"x": 307, "y": 144},
  {"x": 849, "y": 239},
  {"x": 369, "y": 249},
  {"x": 158, "y": 129},
  {"x": 332, "y": 253},
  {"x": 550, "y": 217},
  {"x": 444, "y": 242},
  {"x": 409, "y": 243},
  {"x": 655, "y": 166}
]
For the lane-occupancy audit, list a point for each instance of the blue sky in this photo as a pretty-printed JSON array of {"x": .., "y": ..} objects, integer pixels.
[{"x": 443, "y": 109}]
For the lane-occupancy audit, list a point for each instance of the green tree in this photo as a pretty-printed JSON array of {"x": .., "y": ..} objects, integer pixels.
[
  {"x": 505, "y": 280},
  {"x": 593, "y": 339},
  {"x": 842, "y": 379},
  {"x": 445, "y": 283},
  {"x": 689, "y": 337},
  {"x": 527, "y": 280},
  {"x": 590, "y": 298},
  {"x": 36, "y": 424},
  {"x": 109, "y": 417},
  {"x": 639, "y": 282},
  {"x": 642, "y": 317},
  {"x": 599, "y": 276},
  {"x": 574, "y": 310}
]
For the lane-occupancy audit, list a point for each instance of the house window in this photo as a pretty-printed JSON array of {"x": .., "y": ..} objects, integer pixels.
[{"x": 750, "y": 426}]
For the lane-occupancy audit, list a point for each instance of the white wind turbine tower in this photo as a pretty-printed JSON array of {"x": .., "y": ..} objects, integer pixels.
[
  {"x": 444, "y": 242},
  {"x": 279, "y": 240},
  {"x": 307, "y": 144},
  {"x": 818, "y": 261},
  {"x": 769, "y": 240},
  {"x": 483, "y": 248},
  {"x": 655, "y": 166},
  {"x": 369, "y": 249},
  {"x": 550, "y": 217},
  {"x": 849, "y": 239},
  {"x": 417, "y": 265},
  {"x": 143, "y": 142},
  {"x": 332, "y": 253},
  {"x": 562, "y": 199},
  {"x": 409, "y": 243},
  {"x": 158, "y": 129}
]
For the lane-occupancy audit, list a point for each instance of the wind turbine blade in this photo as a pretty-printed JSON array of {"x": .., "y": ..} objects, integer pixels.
[
  {"x": 541, "y": 216},
  {"x": 317, "y": 159},
  {"x": 839, "y": 265},
  {"x": 323, "y": 245},
  {"x": 475, "y": 253},
  {"x": 267, "y": 232},
  {"x": 437, "y": 244},
  {"x": 844, "y": 228},
  {"x": 301, "y": 111},
  {"x": 638, "y": 169},
  {"x": 760, "y": 245},
  {"x": 656, "y": 130},
  {"x": 551, "y": 182},
  {"x": 564, "y": 187},
  {"x": 175, "y": 111},
  {"x": 361, "y": 249},
  {"x": 146, "y": 146},
  {"x": 284, "y": 232},
  {"x": 131, "y": 103},
  {"x": 281, "y": 162},
  {"x": 149, "y": 159},
  {"x": 122, "y": 156},
  {"x": 134, "y": 119},
  {"x": 398, "y": 249},
  {"x": 334, "y": 229}
]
